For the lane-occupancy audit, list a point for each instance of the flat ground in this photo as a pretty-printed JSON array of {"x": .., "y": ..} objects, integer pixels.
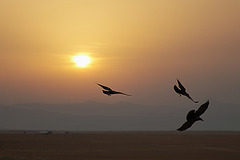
[{"x": 121, "y": 146}]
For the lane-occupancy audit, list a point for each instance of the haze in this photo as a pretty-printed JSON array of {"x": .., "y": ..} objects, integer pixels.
[{"x": 137, "y": 46}]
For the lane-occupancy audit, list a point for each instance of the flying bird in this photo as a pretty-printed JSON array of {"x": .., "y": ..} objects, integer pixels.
[
  {"x": 194, "y": 116},
  {"x": 182, "y": 91},
  {"x": 108, "y": 91}
]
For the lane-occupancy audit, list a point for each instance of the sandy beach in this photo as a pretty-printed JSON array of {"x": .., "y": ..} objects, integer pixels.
[{"x": 121, "y": 146}]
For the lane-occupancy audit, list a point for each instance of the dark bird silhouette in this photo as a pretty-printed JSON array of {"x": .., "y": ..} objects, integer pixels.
[
  {"x": 182, "y": 91},
  {"x": 194, "y": 116},
  {"x": 108, "y": 91}
]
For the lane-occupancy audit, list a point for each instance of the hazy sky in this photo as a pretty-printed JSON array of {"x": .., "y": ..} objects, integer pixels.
[{"x": 137, "y": 46}]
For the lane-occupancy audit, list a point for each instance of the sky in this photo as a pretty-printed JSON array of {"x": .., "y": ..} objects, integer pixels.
[{"x": 139, "y": 47}]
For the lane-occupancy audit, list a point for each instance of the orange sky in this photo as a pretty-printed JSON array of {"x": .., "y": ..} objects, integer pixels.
[{"x": 137, "y": 46}]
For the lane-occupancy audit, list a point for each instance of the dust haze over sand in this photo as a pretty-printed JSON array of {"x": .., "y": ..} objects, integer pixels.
[{"x": 122, "y": 116}]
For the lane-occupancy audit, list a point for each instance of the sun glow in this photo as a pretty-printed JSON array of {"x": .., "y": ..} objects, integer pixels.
[{"x": 82, "y": 60}]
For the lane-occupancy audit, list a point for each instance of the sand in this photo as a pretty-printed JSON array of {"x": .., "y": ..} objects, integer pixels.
[{"x": 121, "y": 146}]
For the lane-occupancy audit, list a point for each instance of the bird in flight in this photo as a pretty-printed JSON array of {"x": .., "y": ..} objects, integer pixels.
[
  {"x": 108, "y": 91},
  {"x": 182, "y": 91},
  {"x": 194, "y": 116}
]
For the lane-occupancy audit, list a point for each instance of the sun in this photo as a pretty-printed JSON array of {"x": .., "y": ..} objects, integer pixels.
[{"x": 82, "y": 60}]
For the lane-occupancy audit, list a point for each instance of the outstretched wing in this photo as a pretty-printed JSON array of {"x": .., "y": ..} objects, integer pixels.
[
  {"x": 115, "y": 92},
  {"x": 177, "y": 89},
  {"x": 202, "y": 109},
  {"x": 180, "y": 85},
  {"x": 186, "y": 125},
  {"x": 104, "y": 87},
  {"x": 190, "y": 115}
]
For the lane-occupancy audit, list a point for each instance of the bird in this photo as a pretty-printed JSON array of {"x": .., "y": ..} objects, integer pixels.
[
  {"x": 108, "y": 91},
  {"x": 194, "y": 116},
  {"x": 182, "y": 91}
]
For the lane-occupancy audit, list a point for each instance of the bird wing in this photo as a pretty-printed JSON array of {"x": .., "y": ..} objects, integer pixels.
[
  {"x": 202, "y": 109},
  {"x": 104, "y": 87},
  {"x": 177, "y": 89},
  {"x": 186, "y": 125},
  {"x": 116, "y": 92},
  {"x": 180, "y": 85},
  {"x": 190, "y": 115}
]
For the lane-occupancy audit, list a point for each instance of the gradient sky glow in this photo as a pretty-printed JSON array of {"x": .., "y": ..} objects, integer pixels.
[{"x": 137, "y": 46}]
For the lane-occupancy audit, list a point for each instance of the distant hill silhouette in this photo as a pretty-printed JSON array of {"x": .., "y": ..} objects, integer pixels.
[{"x": 94, "y": 116}]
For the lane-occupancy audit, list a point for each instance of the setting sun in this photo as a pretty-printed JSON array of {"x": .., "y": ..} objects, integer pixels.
[{"x": 82, "y": 61}]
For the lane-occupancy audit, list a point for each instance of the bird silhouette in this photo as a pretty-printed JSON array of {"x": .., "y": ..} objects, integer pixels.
[
  {"x": 182, "y": 91},
  {"x": 194, "y": 116},
  {"x": 108, "y": 91}
]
